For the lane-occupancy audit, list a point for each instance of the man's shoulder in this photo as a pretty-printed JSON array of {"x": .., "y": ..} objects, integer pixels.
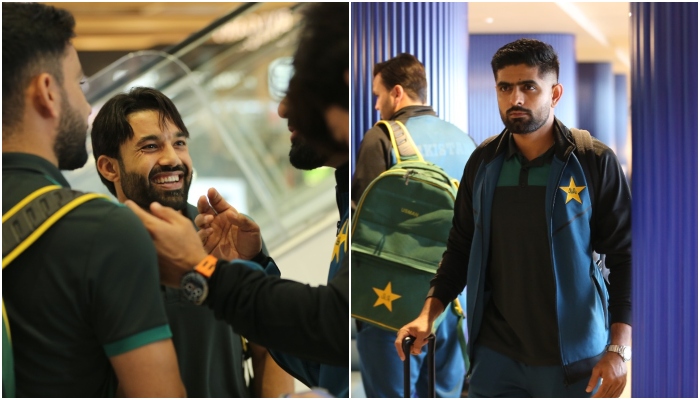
[
  {"x": 486, "y": 150},
  {"x": 111, "y": 223},
  {"x": 375, "y": 131},
  {"x": 433, "y": 122},
  {"x": 599, "y": 149}
]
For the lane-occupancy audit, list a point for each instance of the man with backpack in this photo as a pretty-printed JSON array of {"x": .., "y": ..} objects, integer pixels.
[
  {"x": 84, "y": 316},
  {"x": 534, "y": 203},
  {"x": 400, "y": 85}
]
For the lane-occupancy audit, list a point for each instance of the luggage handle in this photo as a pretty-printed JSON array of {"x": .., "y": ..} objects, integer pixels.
[{"x": 406, "y": 347}]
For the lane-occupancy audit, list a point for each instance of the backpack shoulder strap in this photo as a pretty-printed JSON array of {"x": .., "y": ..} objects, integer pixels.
[
  {"x": 30, "y": 218},
  {"x": 22, "y": 225},
  {"x": 586, "y": 156},
  {"x": 404, "y": 147}
]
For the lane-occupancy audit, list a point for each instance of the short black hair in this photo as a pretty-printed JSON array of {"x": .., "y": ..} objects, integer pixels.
[
  {"x": 530, "y": 52},
  {"x": 320, "y": 64},
  {"x": 407, "y": 71},
  {"x": 111, "y": 129},
  {"x": 35, "y": 38}
]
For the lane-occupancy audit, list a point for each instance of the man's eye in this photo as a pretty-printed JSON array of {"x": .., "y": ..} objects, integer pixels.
[
  {"x": 181, "y": 143},
  {"x": 149, "y": 147}
]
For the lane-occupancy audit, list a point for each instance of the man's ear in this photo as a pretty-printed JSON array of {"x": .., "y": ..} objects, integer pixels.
[
  {"x": 44, "y": 94},
  {"x": 398, "y": 93},
  {"x": 557, "y": 92},
  {"x": 108, "y": 168}
]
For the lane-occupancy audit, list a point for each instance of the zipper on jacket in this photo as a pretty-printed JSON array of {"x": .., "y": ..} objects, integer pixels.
[{"x": 554, "y": 276}]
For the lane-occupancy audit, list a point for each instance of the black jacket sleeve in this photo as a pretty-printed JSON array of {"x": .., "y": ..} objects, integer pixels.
[
  {"x": 612, "y": 234},
  {"x": 304, "y": 321},
  {"x": 451, "y": 276},
  {"x": 373, "y": 158}
]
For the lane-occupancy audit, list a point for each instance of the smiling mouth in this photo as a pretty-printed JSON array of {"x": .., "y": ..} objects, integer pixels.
[{"x": 167, "y": 179}]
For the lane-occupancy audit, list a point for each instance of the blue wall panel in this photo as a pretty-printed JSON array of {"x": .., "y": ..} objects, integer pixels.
[
  {"x": 664, "y": 188},
  {"x": 484, "y": 119},
  {"x": 596, "y": 100},
  {"x": 436, "y": 33},
  {"x": 621, "y": 119}
]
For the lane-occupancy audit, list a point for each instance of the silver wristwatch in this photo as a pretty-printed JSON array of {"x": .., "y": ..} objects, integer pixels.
[{"x": 624, "y": 351}]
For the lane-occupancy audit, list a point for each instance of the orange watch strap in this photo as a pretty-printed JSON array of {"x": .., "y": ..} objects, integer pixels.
[{"x": 207, "y": 266}]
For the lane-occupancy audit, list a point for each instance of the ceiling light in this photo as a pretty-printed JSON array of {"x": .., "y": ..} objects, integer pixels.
[
  {"x": 489, "y": 20},
  {"x": 630, "y": 14}
]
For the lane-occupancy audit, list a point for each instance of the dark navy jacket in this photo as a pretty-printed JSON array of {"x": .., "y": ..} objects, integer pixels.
[{"x": 575, "y": 231}]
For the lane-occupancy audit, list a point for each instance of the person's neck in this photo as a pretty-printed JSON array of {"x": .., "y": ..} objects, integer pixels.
[
  {"x": 337, "y": 160},
  {"x": 29, "y": 142},
  {"x": 534, "y": 144},
  {"x": 407, "y": 102}
]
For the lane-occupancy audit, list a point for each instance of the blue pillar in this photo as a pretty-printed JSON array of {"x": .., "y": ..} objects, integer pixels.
[
  {"x": 664, "y": 190},
  {"x": 596, "y": 99},
  {"x": 484, "y": 119},
  {"x": 621, "y": 120},
  {"x": 436, "y": 33}
]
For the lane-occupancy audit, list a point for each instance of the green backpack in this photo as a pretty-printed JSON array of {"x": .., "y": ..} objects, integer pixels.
[{"x": 399, "y": 232}]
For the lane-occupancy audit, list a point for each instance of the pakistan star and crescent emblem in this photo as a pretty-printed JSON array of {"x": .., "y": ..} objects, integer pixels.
[
  {"x": 572, "y": 191},
  {"x": 385, "y": 296}
]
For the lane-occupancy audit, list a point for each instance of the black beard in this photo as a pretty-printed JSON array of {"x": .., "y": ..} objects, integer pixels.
[
  {"x": 142, "y": 192},
  {"x": 69, "y": 148},
  {"x": 304, "y": 156},
  {"x": 523, "y": 126}
]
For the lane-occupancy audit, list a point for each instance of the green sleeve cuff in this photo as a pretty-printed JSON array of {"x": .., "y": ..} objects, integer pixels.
[{"x": 138, "y": 340}]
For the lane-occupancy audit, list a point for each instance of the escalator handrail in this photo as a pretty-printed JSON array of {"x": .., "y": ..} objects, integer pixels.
[{"x": 192, "y": 40}]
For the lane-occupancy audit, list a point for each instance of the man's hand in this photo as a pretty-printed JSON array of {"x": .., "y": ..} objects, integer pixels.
[
  {"x": 225, "y": 232},
  {"x": 179, "y": 248},
  {"x": 613, "y": 370},
  {"x": 612, "y": 367},
  {"x": 420, "y": 328}
]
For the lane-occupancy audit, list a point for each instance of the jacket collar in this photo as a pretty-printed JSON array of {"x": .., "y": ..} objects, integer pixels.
[
  {"x": 563, "y": 142},
  {"x": 412, "y": 111},
  {"x": 33, "y": 163}
]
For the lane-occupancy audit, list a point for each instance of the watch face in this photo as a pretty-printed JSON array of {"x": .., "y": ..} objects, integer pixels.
[
  {"x": 626, "y": 353},
  {"x": 194, "y": 287}
]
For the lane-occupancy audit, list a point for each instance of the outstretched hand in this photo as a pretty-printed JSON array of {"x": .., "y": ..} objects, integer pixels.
[
  {"x": 224, "y": 231},
  {"x": 176, "y": 241}
]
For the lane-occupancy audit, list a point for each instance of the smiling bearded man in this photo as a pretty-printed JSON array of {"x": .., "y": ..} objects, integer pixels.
[{"x": 140, "y": 146}]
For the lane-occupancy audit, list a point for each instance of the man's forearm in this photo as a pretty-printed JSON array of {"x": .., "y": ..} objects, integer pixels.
[
  {"x": 432, "y": 308},
  {"x": 260, "y": 307},
  {"x": 621, "y": 334}
]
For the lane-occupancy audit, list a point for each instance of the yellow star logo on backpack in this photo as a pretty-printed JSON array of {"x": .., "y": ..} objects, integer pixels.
[
  {"x": 385, "y": 296},
  {"x": 572, "y": 191}
]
